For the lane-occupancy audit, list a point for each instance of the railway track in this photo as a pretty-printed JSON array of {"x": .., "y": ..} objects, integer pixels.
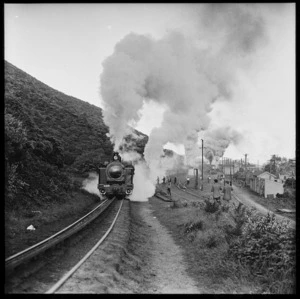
[
  {"x": 41, "y": 251},
  {"x": 64, "y": 279},
  {"x": 187, "y": 191},
  {"x": 33, "y": 251}
]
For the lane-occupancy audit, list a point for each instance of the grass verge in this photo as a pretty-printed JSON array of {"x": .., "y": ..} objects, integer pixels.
[{"x": 209, "y": 237}]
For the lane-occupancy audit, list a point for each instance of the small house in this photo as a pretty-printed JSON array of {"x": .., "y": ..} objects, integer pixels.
[
  {"x": 267, "y": 175},
  {"x": 273, "y": 187},
  {"x": 266, "y": 184}
]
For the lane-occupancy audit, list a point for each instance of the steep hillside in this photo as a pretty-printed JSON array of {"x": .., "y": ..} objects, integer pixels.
[{"x": 48, "y": 135}]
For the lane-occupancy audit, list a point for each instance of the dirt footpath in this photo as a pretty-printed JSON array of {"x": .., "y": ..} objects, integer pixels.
[
  {"x": 166, "y": 263},
  {"x": 148, "y": 262}
]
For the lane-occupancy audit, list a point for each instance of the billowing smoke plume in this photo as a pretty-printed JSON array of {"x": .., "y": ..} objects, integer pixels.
[
  {"x": 184, "y": 75},
  {"x": 215, "y": 141},
  {"x": 232, "y": 35},
  {"x": 236, "y": 28},
  {"x": 142, "y": 69},
  {"x": 192, "y": 151},
  {"x": 218, "y": 139},
  {"x": 130, "y": 156},
  {"x": 166, "y": 71},
  {"x": 143, "y": 186},
  {"x": 209, "y": 155},
  {"x": 90, "y": 184}
]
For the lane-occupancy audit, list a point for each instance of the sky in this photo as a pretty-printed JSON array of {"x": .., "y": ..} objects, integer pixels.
[{"x": 65, "y": 45}]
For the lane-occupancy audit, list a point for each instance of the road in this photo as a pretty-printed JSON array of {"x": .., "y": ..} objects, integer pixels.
[{"x": 243, "y": 196}]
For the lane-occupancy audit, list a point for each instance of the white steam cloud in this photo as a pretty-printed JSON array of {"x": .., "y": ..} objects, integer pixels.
[
  {"x": 143, "y": 185},
  {"x": 165, "y": 71},
  {"x": 185, "y": 74},
  {"x": 90, "y": 184}
]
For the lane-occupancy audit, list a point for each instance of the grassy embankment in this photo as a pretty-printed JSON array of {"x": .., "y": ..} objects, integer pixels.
[{"x": 229, "y": 249}]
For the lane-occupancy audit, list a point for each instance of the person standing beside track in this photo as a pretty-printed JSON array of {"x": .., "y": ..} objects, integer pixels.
[
  {"x": 215, "y": 189},
  {"x": 169, "y": 188},
  {"x": 227, "y": 191},
  {"x": 187, "y": 181}
]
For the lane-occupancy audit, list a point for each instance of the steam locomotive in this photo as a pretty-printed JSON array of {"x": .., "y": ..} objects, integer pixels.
[{"x": 116, "y": 178}]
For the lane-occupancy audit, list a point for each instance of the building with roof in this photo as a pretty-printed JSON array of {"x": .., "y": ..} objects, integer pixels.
[{"x": 266, "y": 184}]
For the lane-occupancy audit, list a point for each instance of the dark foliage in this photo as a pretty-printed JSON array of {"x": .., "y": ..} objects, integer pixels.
[
  {"x": 211, "y": 207},
  {"x": 290, "y": 182},
  {"x": 268, "y": 247},
  {"x": 47, "y": 135},
  {"x": 193, "y": 226}
]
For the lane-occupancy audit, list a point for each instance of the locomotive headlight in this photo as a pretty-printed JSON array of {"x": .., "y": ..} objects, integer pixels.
[
  {"x": 115, "y": 171},
  {"x": 128, "y": 191},
  {"x": 102, "y": 191}
]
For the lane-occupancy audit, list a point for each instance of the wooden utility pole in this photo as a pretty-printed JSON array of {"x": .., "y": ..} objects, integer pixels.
[
  {"x": 202, "y": 167},
  {"x": 222, "y": 164},
  {"x": 230, "y": 170},
  {"x": 196, "y": 178},
  {"x": 227, "y": 162}
]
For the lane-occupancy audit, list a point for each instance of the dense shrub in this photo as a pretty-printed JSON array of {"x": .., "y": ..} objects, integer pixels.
[
  {"x": 240, "y": 214},
  {"x": 193, "y": 226},
  {"x": 15, "y": 142},
  {"x": 88, "y": 161},
  {"x": 211, "y": 241},
  {"x": 225, "y": 208},
  {"x": 267, "y": 247},
  {"x": 290, "y": 182},
  {"x": 211, "y": 206},
  {"x": 14, "y": 181}
]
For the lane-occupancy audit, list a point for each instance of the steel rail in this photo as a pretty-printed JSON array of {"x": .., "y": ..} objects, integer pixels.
[
  {"x": 32, "y": 251},
  {"x": 54, "y": 288}
]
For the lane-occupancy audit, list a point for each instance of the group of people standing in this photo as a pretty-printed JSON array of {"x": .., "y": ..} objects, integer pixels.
[
  {"x": 169, "y": 183},
  {"x": 217, "y": 188},
  {"x": 168, "y": 179}
]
